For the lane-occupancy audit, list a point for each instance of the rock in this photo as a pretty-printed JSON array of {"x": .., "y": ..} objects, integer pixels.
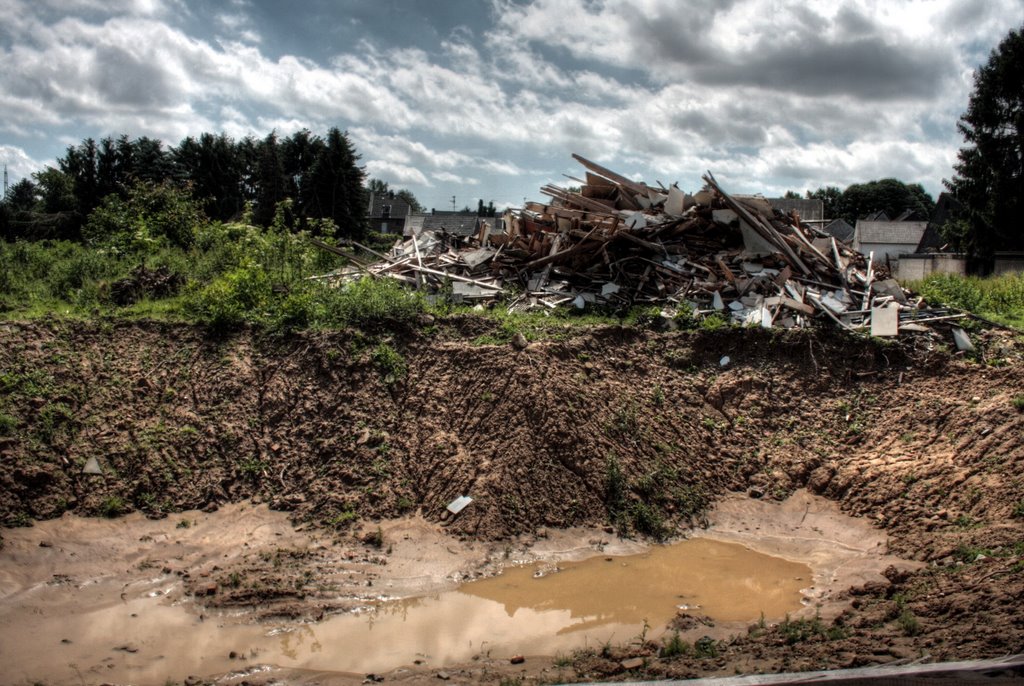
[
  {"x": 517, "y": 659},
  {"x": 364, "y": 436},
  {"x": 444, "y": 676},
  {"x": 519, "y": 341},
  {"x": 819, "y": 479},
  {"x": 755, "y": 492},
  {"x": 207, "y": 589},
  {"x": 92, "y": 466},
  {"x": 232, "y": 655},
  {"x": 632, "y": 663}
]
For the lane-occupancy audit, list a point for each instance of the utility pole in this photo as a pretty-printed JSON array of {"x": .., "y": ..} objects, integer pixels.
[
  {"x": 453, "y": 203},
  {"x": 5, "y": 181}
]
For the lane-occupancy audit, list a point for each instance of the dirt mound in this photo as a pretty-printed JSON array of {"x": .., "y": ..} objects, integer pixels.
[
  {"x": 620, "y": 427},
  {"x": 615, "y": 425}
]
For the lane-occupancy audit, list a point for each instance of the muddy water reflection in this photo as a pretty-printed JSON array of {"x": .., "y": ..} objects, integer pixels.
[
  {"x": 724, "y": 581},
  {"x": 587, "y": 603}
]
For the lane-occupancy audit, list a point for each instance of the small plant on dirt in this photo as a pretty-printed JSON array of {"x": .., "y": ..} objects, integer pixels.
[
  {"x": 674, "y": 646},
  {"x": 343, "y": 518},
  {"x": 374, "y": 538},
  {"x": 713, "y": 322},
  {"x": 968, "y": 553},
  {"x": 562, "y": 661},
  {"x": 627, "y": 421},
  {"x": 390, "y": 363},
  {"x": 1018, "y": 510},
  {"x": 234, "y": 580},
  {"x": 19, "y": 519},
  {"x": 800, "y": 630},
  {"x": 7, "y": 424},
  {"x": 52, "y": 419},
  {"x": 184, "y": 524},
  {"x": 647, "y": 520},
  {"x": 1018, "y": 402},
  {"x": 112, "y": 506},
  {"x": 908, "y": 623},
  {"x": 705, "y": 646},
  {"x": 615, "y": 488},
  {"x": 965, "y": 521},
  {"x": 252, "y": 467},
  {"x": 658, "y": 396}
]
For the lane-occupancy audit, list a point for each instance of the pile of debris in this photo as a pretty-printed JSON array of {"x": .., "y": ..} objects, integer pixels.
[{"x": 619, "y": 243}]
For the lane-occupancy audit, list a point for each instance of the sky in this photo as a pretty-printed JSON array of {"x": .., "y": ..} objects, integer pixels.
[{"x": 488, "y": 99}]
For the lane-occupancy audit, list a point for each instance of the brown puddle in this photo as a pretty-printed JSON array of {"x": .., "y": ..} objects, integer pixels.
[
  {"x": 724, "y": 581},
  {"x": 147, "y": 640}
]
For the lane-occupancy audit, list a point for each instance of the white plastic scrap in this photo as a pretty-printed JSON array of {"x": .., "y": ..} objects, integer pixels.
[{"x": 459, "y": 504}]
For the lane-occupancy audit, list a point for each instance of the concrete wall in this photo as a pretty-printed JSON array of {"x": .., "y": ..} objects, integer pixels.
[
  {"x": 1004, "y": 265},
  {"x": 916, "y": 267},
  {"x": 883, "y": 250}
]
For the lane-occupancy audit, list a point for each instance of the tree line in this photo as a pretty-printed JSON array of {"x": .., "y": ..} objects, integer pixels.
[
  {"x": 860, "y": 200},
  {"x": 320, "y": 176}
]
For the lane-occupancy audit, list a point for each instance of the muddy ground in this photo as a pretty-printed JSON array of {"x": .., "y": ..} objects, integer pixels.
[{"x": 635, "y": 431}]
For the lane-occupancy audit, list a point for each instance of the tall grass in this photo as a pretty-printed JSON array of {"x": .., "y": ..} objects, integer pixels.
[{"x": 1000, "y": 298}]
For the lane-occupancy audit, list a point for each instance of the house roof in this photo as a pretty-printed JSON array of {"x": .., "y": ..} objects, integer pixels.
[
  {"x": 811, "y": 210},
  {"x": 840, "y": 229},
  {"x": 890, "y": 233},
  {"x": 378, "y": 201},
  {"x": 945, "y": 208},
  {"x": 457, "y": 224}
]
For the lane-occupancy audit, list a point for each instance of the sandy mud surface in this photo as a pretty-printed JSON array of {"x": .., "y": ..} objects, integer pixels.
[{"x": 133, "y": 600}]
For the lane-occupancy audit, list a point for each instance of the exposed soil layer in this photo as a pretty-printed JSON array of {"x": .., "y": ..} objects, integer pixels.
[{"x": 632, "y": 429}]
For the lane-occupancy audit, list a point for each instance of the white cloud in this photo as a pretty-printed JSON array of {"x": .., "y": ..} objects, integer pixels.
[
  {"x": 396, "y": 174},
  {"x": 448, "y": 177},
  {"x": 762, "y": 92},
  {"x": 19, "y": 164}
]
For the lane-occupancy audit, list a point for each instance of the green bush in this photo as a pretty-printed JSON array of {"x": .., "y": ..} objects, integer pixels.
[
  {"x": 370, "y": 304},
  {"x": 150, "y": 213},
  {"x": 236, "y": 297}
]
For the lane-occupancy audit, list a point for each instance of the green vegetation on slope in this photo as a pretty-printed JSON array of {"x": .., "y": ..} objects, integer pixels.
[{"x": 1000, "y": 298}]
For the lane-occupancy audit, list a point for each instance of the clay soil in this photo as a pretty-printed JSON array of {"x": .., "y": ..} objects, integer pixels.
[{"x": 633, "y": 431}]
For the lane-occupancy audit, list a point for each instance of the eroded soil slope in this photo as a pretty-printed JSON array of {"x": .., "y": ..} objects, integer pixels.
[{"x": 624, "y": 427}]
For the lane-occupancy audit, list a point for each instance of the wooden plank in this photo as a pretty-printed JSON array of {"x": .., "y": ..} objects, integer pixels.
[{"x": 609, "y": 174}]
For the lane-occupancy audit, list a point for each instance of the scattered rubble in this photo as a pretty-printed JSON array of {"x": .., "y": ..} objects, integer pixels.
[{"x": 620, "y": 243}]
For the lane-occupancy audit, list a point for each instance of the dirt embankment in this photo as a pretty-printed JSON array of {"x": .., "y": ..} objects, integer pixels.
[{"x": 638, "y": 430}]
